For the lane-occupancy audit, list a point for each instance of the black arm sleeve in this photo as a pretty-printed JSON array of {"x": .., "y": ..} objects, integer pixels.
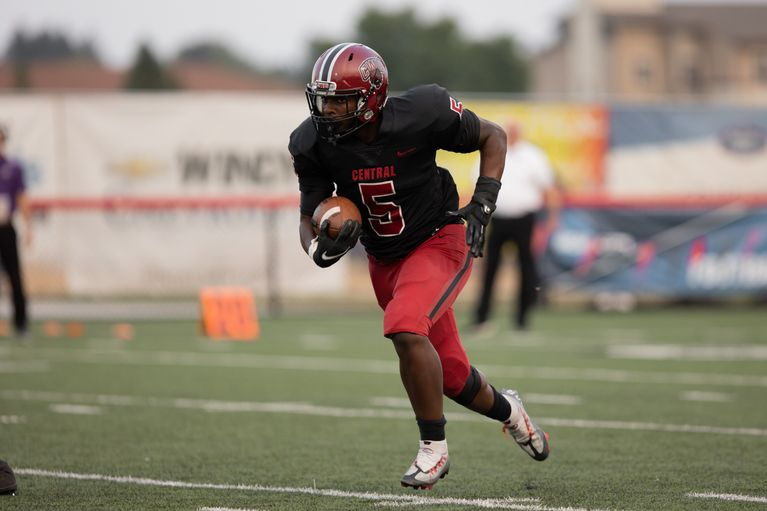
[
  {"x": 314, "y": 189},
  {"x": 466, "y": 137}
]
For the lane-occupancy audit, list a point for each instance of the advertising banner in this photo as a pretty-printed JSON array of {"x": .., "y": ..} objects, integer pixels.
[
  {"x": 106, "y": 153},
  {"x": 683, "y": 150},
  {"x": 573, "y": 136},
  {"x": 672, "y": 252}
]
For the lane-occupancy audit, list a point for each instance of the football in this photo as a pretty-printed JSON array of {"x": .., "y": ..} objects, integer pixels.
[{"x": 337, "y": 210}]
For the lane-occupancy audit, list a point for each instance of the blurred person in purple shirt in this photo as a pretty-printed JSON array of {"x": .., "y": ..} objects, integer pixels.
[{"x": 13, "y": 198}]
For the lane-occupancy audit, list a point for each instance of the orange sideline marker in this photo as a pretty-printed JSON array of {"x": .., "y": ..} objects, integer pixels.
[
  {"x": 75, "y": 329},
  {"x": 229, "y": 314},
  {"x": 122, "y": 331},
  {"x": 52, "y": 329}
]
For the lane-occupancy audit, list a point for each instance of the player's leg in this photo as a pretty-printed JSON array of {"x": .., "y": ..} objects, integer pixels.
[
  {"x": 468, "y": 387},
  {"x": 413, "y": 292},
  {"x": 463, "y": 383},
  {"x": 421, "y": 374},
  {"x": 420, "y": 369},
  {"x": 478, "y": 395}
]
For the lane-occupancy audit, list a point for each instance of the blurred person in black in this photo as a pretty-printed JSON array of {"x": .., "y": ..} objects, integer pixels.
[
  {"x": 530, "y": 187},
  {"x": 13, "y": 198},
  {"x": 379, "y": 152}
]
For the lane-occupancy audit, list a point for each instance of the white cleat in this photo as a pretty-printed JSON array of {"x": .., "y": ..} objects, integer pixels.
[
  {"x": 532, "y": 439},
  {"x": 431, "y": 464}
]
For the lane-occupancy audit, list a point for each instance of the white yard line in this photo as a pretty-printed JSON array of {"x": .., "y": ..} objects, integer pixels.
[
  {"x": 706, "y": 397},
  {"x": 24, "y": 366},
  {"x": 541, "y": 399},
  {"x": 227, "y": 509},
  {"x": 12, "y": 419},
  {"x": 70, "y": 409},
  {"x": 553, "y": 399},
  {"x": 210, "y": 405},
  {"x": 651, "y": 426},
  {"x": 365, "y": 366},
  {"x": 522, "y": 504},
  {"x": 728, "y": 496},
  {"x": 713, "y": 353}
]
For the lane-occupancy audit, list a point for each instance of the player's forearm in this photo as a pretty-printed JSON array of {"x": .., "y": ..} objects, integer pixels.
[
  {"x": 306, "y": 232},
  {"x": 492, "y": 150}
]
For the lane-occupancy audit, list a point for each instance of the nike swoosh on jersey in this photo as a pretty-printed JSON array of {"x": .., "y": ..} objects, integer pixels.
[
  {"x": 401, "y": 154},
  {"x": 326, "y": 257}
]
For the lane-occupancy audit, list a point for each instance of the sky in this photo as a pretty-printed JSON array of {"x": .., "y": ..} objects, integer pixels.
[{"x": 268, "y": 34}]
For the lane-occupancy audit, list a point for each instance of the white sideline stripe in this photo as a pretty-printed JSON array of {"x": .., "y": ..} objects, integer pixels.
[
  {"x": 12, "y": 419},
  {"x": 351, "y": 365},
  {"x": 542, "y": 399},
  {"x": 227, "y": 509},
  {"x": 651, "y": 426},
  {"x": 75, "y": 409},
  {"x": 522, "y": 503},
  {"x": 728, "y": 496},
  {"x": 360, "y": 413},
  {"x": 553, "y": 399},
  {"x": 706, "y": 397},
  {"x": 390, "y": 402},
  {"x": 27, "y": 366},
  {"x": 319, "y": 342},
  {"x": 684, "y": 352}
]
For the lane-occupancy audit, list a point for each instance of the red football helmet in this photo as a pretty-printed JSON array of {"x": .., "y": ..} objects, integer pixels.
[{"x": 347, "y": 69}]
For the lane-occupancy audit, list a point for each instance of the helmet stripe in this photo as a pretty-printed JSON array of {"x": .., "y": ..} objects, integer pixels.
[{"x": 326, "y": 69}]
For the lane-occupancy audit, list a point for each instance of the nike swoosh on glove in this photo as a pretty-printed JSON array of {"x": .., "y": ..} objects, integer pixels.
[{"x": 326, "y": 251}]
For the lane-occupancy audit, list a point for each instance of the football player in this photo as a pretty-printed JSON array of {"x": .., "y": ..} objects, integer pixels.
[{"x": 380, "y": 151}]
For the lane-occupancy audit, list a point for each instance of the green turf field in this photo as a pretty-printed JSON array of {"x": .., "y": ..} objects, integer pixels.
[{"x": 652, "y": 410}]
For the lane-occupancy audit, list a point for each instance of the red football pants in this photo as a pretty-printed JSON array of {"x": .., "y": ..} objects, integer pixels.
[{"x": 417, "y": 295}]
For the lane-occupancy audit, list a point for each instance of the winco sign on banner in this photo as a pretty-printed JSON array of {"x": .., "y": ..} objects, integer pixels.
[{"x": 162, "y": 194}]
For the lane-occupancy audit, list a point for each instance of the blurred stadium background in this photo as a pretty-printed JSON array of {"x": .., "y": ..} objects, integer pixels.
[{"x": 156, "y": 181}]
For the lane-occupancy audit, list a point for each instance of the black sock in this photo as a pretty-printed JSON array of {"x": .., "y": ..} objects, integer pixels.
[
  {"x": 432, "y": 430},
  {"x": 501, "y": 409}
]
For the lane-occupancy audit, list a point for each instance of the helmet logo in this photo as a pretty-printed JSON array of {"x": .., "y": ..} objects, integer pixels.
[{"x": 370, "y": 71}]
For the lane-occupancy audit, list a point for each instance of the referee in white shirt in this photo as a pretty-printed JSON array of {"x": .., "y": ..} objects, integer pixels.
[{"x": 529, "y": 186}]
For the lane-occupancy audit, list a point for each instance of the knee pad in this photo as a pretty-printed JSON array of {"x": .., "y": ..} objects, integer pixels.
[{"x": 470, "y": 389}]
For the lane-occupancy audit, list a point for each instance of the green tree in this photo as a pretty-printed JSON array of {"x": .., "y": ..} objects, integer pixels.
[
  {"x": 147, "y": 73},
  {"x": 418, "y": 53},
  {"x": 47, "y": 45},
  {"x": 213, "y": 52},
  {"x": 20, "y": 75}
]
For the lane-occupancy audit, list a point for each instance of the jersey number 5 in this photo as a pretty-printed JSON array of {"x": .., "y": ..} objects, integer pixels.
[{"x": 385, "y": 216}]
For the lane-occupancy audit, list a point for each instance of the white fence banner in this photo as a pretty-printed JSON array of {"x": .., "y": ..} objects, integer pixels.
[{"x": 165, "y": 148}]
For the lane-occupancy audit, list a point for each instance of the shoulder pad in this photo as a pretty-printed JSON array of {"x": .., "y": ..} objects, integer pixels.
[{"x": 303, "y": 138}]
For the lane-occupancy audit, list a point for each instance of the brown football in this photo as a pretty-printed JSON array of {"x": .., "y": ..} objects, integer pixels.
[{"x": 337, "y": 210}]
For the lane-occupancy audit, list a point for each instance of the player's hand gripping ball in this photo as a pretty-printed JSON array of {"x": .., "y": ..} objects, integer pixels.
[
  {"x": 336, "y": 210},
  {"x": 337, "y": 224}
]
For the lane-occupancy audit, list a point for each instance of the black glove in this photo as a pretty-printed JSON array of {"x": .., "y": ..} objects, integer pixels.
[
  {"x": 326, "y": 251},
  {"x": 477, "y": 212}
]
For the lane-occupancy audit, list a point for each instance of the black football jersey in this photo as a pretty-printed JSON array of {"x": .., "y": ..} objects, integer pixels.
[{"x": 402, "y": 194}]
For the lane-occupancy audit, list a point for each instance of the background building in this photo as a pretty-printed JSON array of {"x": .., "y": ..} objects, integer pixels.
[{"x": 640, "y": 50}]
